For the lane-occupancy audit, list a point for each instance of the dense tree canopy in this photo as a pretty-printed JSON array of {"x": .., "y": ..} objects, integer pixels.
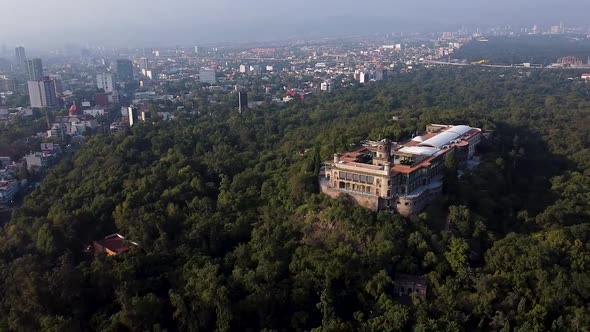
[{"x": 233, "y": 235}]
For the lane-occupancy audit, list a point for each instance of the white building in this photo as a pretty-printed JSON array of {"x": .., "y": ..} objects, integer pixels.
[
  {"x": 42, "y": 93},
  {"x": 363, "y": 77},
  {"x": 36, "y": 160},
  {"x": 94, "y": 112},
  {"x": 105, "y": 82}
]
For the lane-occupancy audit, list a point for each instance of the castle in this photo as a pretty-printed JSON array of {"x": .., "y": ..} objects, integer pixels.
[{"x": 399, "y": 177}]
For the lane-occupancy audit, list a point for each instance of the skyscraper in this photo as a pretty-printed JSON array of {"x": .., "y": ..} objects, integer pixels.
[
  {"x": 363, "y": 77},
  {"x": 42, "y": 93},
  {"x": 242, "y": 101},
  {"x": 20, "y": 54},
  {"x": 105, "y": 82},
  {"x": 144, "y": 66},
  {"x": 133, "y": 115},
  {"x": 35, "y": 69},
  {"x": 125, "y": 70}
]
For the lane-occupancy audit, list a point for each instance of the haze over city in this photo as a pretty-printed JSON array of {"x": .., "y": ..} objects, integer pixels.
[
  {"x": 326, "y": 166},
  {"x": 141, "y": 23}
]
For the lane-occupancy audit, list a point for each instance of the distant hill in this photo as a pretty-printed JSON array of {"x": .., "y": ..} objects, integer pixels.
[{"x": 515, "y": 50}]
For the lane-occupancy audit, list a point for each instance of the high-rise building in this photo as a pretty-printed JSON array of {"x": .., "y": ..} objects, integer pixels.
[
  {"x": 35, "y": 69},
  {"x": 151, "y": 74},
  {"x": 105, "y": 82},
  {"x": 196, "y": 49},
  {"x": 244, "y": 69},
  {"x": 363, "y": 77},
  {"x": 20, "y": 54},
  {"x": 125, "y": 70},
  {"x": 242, "y": 101},
  {"x": 133, "y": 114},
  {"x": 144, "y": 66},
  {"x": 207, "y": 75},
  {"x": 42, "y": 93}
]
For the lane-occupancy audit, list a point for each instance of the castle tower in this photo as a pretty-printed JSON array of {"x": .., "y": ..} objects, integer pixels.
[{"x": 383, "y": 152}]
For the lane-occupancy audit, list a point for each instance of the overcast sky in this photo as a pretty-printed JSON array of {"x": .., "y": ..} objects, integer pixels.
[{"x": 43, "y": 23}]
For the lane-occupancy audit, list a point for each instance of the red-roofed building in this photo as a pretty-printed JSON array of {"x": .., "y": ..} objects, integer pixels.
[
  {"x": 73, "y": 109},
  {"x": 401, "y": 177},
  {"x": 113, "y": 244}
]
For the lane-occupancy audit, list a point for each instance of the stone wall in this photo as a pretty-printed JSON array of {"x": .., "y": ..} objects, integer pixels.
[{"x": 370, "y": 202}]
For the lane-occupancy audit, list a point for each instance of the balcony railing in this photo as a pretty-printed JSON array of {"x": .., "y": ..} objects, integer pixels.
[{"x": 325, "y": 182}]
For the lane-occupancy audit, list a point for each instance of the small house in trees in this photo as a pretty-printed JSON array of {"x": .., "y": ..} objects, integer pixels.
[
  {"x": 113, "y": 244},
  {"x": 405, "y": 285}
]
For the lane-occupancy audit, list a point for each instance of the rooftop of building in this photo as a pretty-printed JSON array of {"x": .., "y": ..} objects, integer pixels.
[
  {"x": 419, "y": 151},
  {"x": 115, "y": 243}
]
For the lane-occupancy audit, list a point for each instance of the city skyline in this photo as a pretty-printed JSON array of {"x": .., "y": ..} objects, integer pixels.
[{"x": 182, "y": 22}]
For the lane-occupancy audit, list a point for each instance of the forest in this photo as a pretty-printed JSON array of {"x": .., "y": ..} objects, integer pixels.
[
  {"x": 537, "y": 49},
  {"x": 233, "y": 235}
]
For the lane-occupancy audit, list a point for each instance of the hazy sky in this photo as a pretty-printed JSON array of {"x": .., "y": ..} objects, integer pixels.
[{"x": 43, "y": 23}]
